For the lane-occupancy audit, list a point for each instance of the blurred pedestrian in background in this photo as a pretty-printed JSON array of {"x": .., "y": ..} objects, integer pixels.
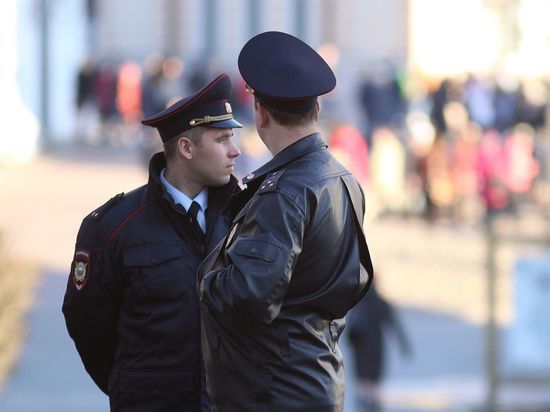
[
  {"x": 106, "y": 90},
  {"x": 131, "y": 305},
  {"x": 381, "y": 98},
  {"x": 87, "y": 119},
  {"x": 368, "y": 328},
  {"x": 152, "y": 101},
  {"x": 388, "y": 171},
  {"x": 479, "y": 100},
  {"x": 429, "y": 130},
  {"x": 349, "y": 146},
  {"x": 128, "y": 102}
]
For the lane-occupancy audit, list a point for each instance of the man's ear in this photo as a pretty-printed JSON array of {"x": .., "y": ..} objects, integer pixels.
[{"x": 185, "y": 147}]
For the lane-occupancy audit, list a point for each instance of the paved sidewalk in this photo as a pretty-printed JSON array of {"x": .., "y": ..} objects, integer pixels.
[
  {"x": 444, "y": 372},
  {"x": 444, "y": 377},
  {"x": 49, "y": 376},
  {"x": 435, "y": 273}
]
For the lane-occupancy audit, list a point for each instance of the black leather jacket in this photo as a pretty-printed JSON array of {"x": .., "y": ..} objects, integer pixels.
[
  {"x": 134, "y": 316},
  {"x": 296, "y": 261}
]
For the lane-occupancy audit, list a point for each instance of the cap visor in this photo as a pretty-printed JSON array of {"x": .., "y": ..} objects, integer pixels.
[{"x": 225, "y": 124}]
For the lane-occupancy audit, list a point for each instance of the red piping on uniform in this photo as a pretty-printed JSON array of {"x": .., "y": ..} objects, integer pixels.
[
  {"x": 214, "y": 82},
  {"x": 119, "y": 227}
]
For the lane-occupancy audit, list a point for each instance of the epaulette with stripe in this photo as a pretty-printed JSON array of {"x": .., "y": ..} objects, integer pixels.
[
  {"x": 270, "y": 182},
  {"x": 98, "y": 214}
]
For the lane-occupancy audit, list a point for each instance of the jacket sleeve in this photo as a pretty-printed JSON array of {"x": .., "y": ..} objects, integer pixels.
[
  {"x": 260, "y": 261},
  {"x": 90, "y": 303}
]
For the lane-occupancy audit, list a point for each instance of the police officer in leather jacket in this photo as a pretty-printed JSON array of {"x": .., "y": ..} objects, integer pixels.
[
  {"x": 131, "y": 305},
  {"x": 275, "y": 292}
]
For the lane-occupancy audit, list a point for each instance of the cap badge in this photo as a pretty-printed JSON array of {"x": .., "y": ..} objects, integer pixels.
[
  {"x": 228, "y": 108},
  {"x": 210, "y": 119}
]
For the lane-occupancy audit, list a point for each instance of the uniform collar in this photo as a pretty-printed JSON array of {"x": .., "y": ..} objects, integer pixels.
[
  {"x": 179, "y": 197},
  {"x": 303, "y": 146},
  {"x": 218, "y": 197}
]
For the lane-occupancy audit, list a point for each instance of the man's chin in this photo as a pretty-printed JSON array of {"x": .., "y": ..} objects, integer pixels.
[{"x": 221, "y": 181}]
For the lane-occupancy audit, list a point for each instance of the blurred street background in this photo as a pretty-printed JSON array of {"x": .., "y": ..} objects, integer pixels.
[{"x": 442, "y": 111}]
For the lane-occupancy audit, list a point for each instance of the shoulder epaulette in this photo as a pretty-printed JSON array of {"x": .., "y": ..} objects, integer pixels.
[
  {"x": 270, "y": 182},
  {"x": 98, "y": 214}
]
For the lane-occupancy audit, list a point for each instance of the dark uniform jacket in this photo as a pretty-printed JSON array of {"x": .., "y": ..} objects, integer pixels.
[
  {"x": 272, "y": 317},
  {"x": 131, "y": 305}
]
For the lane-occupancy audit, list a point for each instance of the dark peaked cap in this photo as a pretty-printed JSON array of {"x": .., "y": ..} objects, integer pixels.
[
  {"x": 284, "y": 72},
  {"x": 208, "y": 107}
]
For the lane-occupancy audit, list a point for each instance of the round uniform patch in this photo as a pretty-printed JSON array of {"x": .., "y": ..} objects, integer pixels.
[{"x": 81, "y": 268}]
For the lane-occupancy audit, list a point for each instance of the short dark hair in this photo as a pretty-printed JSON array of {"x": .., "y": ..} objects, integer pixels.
[
  {"x": 171, "y": 145},
  {"x": 291, "y": 119}
]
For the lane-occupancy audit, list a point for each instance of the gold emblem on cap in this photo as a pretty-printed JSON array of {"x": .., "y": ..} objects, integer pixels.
[
  {"x": 228, "y": 108},
  {"x": 210, "y": 119}
]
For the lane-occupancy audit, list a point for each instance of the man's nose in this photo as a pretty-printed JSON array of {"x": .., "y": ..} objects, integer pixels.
[{"x": 234, "y": 152}]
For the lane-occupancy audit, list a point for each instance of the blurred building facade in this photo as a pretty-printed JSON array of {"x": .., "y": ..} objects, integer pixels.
[
  {"x": 197, "y": 28},
  {"x": 439, "y": 38},
  {"x": 432, "y": 38}
]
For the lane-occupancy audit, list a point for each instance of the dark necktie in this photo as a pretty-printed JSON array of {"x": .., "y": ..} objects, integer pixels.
[{"x": 192, "y": 213}]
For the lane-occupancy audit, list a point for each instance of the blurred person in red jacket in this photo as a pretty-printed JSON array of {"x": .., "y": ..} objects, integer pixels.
[
  {"x": 490, "y": 166},
  {"x": 518, "y": 153},
  {"x": 128, "y": 100},
  {"x": 350, "y": 147}
]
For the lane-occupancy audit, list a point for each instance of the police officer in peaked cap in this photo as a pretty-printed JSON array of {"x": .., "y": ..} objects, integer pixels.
[
  {"x": 131, "y": 305},
  {"x": 275, "y": 292}
]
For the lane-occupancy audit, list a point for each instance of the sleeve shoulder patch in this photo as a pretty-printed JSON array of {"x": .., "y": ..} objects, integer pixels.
[
  {"x": 270, "y": 182},
  {"x": 80, "y": 268},
  {"x": 98, "y": 214}
]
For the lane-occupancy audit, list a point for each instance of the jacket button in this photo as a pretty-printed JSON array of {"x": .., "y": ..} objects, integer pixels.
[
  {"x": 254, "y": 250},
  {"x": 154, "y": 260}
]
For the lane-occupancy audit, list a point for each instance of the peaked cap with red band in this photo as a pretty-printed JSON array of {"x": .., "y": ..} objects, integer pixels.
[{"x": 208, "y": 107}]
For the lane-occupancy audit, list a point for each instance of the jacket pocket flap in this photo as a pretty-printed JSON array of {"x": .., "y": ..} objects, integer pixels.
[
  {"x": 158, "y": 382},
  {"x": 152, "y": 254},
  {"x": 258, "y": 249}
]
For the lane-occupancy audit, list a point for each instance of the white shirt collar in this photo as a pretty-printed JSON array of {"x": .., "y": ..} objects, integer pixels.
[{"x": 181, "y": 198}]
